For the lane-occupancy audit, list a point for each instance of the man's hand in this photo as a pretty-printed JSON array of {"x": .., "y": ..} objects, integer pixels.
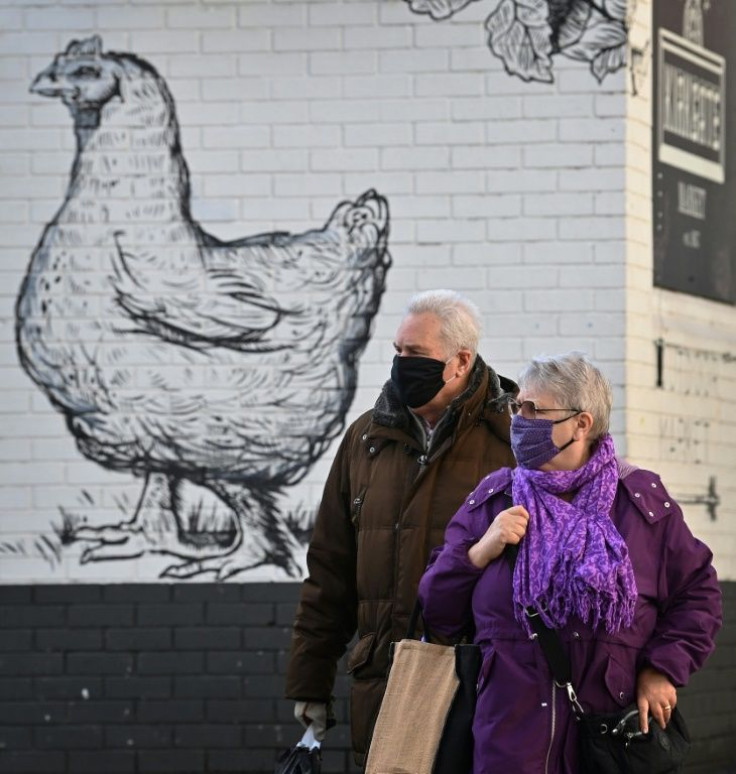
[
  {"x": 655, "y": 696},
  {"x": 508, "y": 528},
  {"x": 313, "y": 712}
]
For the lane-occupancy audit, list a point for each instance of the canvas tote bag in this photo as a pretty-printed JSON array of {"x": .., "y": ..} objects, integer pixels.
[{"x": 422, "y": 684}]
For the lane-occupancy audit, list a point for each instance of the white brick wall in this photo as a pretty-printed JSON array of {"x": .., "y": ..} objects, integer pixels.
[{"x": 533, "y": 198}]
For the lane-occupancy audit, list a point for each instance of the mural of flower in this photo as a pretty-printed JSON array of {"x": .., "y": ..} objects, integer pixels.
[{"x": 526, "y": 34}]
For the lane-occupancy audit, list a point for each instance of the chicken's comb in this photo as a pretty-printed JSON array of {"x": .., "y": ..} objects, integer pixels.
[{"x": 84, "y": 48}]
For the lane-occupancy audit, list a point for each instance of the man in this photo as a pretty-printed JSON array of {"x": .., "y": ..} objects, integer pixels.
[{"x": 402, "y": 470}]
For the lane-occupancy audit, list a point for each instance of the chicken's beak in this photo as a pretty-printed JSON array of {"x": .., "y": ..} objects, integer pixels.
[{"x": 46, "y": 85}]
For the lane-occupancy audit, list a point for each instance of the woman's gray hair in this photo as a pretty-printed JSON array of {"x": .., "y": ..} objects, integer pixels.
[
  {"x": 459, "y": 318},
  {"x": 574, "y": 382}
]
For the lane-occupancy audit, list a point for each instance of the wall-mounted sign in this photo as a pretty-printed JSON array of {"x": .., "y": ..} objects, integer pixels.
[{"x": 694, "y": 179}]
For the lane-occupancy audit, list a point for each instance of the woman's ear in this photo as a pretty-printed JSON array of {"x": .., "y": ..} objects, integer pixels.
[{"x": 583, "y": 424}]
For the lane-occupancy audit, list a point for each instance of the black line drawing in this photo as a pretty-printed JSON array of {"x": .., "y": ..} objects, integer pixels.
[
  {"x": 218, "y": 372},
  {"x": 527, "y": 34}
]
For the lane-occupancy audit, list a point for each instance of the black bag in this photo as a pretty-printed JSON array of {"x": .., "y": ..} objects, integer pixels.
[
  {"x": 299, "y": 760},
  {"x": 614, "y": 744},
  {"x": 455, "y": 754}
]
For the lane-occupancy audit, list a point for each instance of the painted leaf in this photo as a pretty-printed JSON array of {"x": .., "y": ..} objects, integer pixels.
[
  {"x": 520, "y": 35},
  {"x": 616, "y": 9},
  {"x": 602, "y": 43},
  {"x": 574, "y": 24},
  {"x": 438, "y": 9}
]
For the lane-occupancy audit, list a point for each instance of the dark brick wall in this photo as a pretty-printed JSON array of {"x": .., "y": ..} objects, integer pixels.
[{"x": 188, "y": 678}]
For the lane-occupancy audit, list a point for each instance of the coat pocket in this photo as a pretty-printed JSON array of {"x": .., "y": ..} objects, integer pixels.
[
  {"x": 361, "y": 654},
  {"x": 620, "y": 680}
]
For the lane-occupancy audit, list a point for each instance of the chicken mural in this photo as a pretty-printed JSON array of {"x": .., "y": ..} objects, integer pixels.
[{"x": 216, "y": 372}]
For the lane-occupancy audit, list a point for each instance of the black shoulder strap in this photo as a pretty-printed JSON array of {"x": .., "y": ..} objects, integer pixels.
[{"x": 549, "y": 639}]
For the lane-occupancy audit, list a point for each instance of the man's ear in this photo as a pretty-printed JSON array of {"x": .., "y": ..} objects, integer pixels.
[{"x": 465, "y": 357}]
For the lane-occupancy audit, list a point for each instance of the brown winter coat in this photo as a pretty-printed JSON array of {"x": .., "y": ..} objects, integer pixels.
[{"x": 385, "y": 505}]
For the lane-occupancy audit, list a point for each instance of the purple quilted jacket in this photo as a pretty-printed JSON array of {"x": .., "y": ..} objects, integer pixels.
[{"x": 523, "y": 721}]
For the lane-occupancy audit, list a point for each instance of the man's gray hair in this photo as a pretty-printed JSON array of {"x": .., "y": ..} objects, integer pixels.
[
  {"x": 459, "y": 318},
  {"x": 574, "y": 382}
]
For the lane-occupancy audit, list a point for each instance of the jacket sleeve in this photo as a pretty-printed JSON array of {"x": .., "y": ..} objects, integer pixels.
[
  {"x": 446, "y": 588},
  {"x": 690, "y": 605},
  {"x": 327, "y": 612}
]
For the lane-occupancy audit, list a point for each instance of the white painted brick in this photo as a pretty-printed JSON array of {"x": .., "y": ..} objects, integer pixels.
[
  {"x": 521, "y": 132},
  {"x": 398, "y": 13},
  {"x": 594, "y": 129},
  {"x": 610, "y": 105},
  {"x": 203, "y": 66},
  {"x": 456, "y": 278},
  {"x": 486, "y": 206},
  {"x": 558, "y": 204},
  {"x": 318, "y": 86},
  {"x": 593, "y": 276},
  {"x": 260, "y": 64},
  {"x": 15, "y": 497},
  {"x": 446, "y": 133},
  {"x": 29, "y": 43},
  {"x": 35, "y": 186},
  {"x": 307, "y": 185},
  {"x": 415, "y": 158},
  {"x": 285, "y": 210},
  {"x": 76, "y": 19},
  {"x": 610, "y": 203},
  {"x": 306, "y": 136},
  {"x": 214, "y": 210},
  {"x": 11, "y": 19},
  {"x": 421, "y": 206},
  {"x": 593, "y": 228},
  {"x": 15, "y": 115},
  {"x": 521, "y": 229},
  {"x": 231, "y": 89},
  {"x": 609, "y": 155},
  {"x": 486, "y": 157},
  {"x": 12, "y": 68},
  {"x": 612, "y": 179},
  {"x": 276, "y": 160},
  {"x": 418, "y": 110},
  {"x": 485, "y": 108},
  {"x": 217, "y": 114},
  {"x": 453, "y": 230},
  {"x": 367, "y": 37},
  {"x": 274, "y": 113},
  {"x": 523, "y": 281},
  {"x": 388, "y": 183},
  {"x": 522, "y": 180},
  {"x": 200, "y": 18},
  {"x": 252, "y": 14},
  {"x": 558, "y": 156},
  {"x": 300, "y": 39},
  {"x": 413, "y": 61},
  {"x": 449, "y": 35},
  {"x": 340, "y": 160},
  {"x": 558, "y": 252},
  {"x": 344, "y": 111},
  {"x": 235, "y": 41},
  {"x": 372, "y": 135},
  {"x": 145, "y": 42},
  {"x": 609, "y": 300},
  {"x": 558, "y": 106},
  {"x": 450, "y": 182},
  {"x": 43, "y": 210},
  {"x": 469, "y": 59},
  {"x": 448, "y": 84},
  {"x": 582, "y": 80},
  {"x": 497, "y": 257},
  {"x": 342, "y": 62},
  {"x": 332, "y": 14},
  {"x": 212, "y": 161},
  {"x": 237, "y": 137},
  {"x": 237, "y": 185},
  {"x": 382, "y": 87},
  {"x": 14, "y": 212},
  {"x": 115, "y": 18}
]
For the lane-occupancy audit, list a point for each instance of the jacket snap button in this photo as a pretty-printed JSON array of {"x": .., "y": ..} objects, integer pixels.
[
  {"x": 654, "y": 486},
  {"x": 666, "y": 505},
  {"x": 533, "y": 636},
  {"x": 576, "y": 635},
  {"x": 365, "y": 435},
  {"x": 356, "y": 501},
  {"x": 472, "y": 502},
  {"x": 490, "y": 491},
  {"x": 651, "y": 515},
  {"x": 621, "y": 695},
  {"x": 636, "y": 494},
  {"x": 372, "y": 450}
]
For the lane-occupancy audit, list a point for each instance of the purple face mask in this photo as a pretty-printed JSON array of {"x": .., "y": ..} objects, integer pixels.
[{"x": 531, "y": 441}]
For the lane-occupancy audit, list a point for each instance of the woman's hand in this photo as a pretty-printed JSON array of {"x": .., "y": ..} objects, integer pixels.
[
  {"x": 655, "y": 696},
  {"x": 508, "y": 528}
]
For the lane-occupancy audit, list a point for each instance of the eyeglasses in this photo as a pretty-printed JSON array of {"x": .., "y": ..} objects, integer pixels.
[{"x": 528, "y": 409}]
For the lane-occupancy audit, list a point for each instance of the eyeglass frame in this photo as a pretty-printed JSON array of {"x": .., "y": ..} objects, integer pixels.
[{"x": 512, "y": 403}]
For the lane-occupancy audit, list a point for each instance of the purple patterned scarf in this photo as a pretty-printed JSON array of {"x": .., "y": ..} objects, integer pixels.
[{"x": 572, "y": 560}]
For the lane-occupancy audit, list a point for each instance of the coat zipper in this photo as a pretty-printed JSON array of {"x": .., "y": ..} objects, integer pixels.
[{"x": 554, "y": 722}]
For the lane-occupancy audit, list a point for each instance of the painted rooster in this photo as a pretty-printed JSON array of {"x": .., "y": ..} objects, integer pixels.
[{"x": 218, "y": 372}]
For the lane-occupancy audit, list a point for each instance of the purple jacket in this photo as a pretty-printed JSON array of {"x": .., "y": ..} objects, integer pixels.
[{"x": 523, "y": 722}]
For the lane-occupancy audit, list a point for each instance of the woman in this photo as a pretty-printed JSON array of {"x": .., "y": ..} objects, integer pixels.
[{"x": 603, "y": 554}]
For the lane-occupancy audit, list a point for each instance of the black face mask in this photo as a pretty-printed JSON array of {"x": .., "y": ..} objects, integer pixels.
[{"x": 418, "y": 379}]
